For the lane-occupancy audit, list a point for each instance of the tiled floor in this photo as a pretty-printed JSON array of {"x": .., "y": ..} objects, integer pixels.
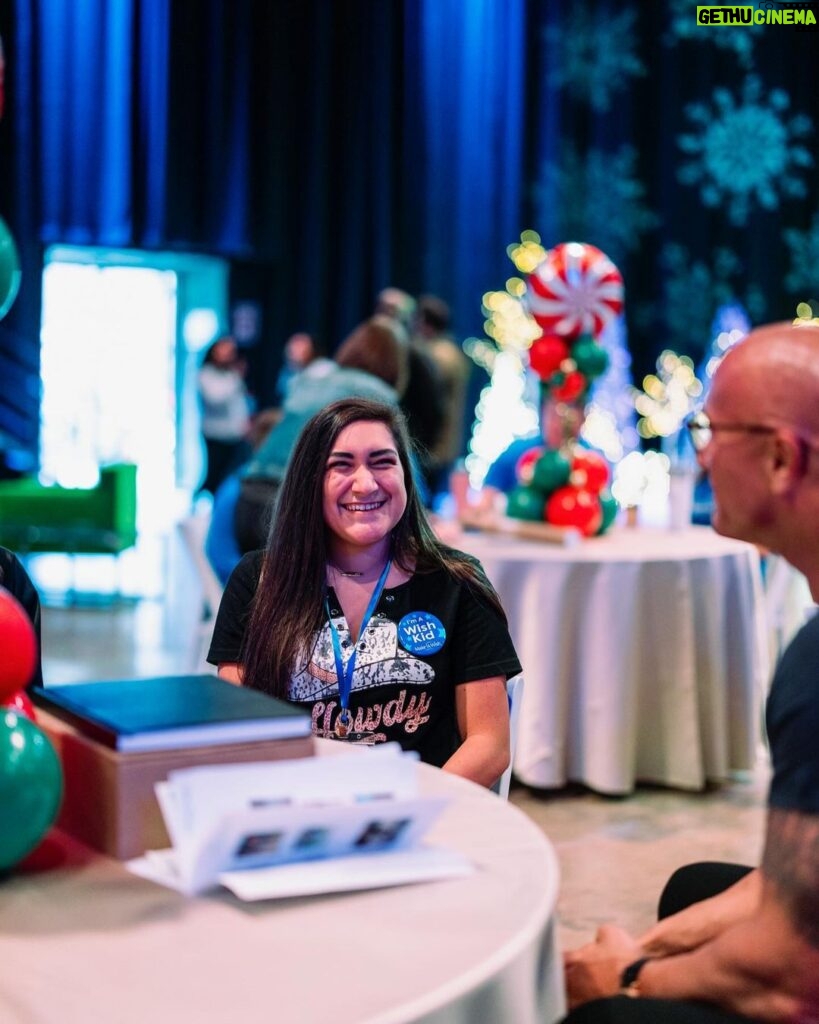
[{"x": 614, "y": 854}]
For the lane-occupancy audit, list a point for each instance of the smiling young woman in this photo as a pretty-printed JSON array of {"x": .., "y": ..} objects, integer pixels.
[{"x": 356, "y": 611}]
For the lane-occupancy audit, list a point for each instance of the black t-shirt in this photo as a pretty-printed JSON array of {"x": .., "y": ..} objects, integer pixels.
[
  {"x": 426, "y": 637},
  {"x": 792, "y": 719}
]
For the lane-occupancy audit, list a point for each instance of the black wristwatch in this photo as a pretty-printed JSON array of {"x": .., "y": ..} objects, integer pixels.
[{"x": 629, "y": 983}]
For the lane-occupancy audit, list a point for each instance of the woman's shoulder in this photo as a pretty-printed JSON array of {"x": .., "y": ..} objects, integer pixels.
[
  {"x": 447, "y": 575},
  {"x": 248, "y": 569},
  {"x": 454, "y": 556},
  {"x": 462, "y": 574}
]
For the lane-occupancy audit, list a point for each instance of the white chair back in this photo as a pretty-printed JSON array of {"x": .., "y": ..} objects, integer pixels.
[
  {"x": 514, "y": 694},
  {"x": 788, "y": 603},
  {"x": 193, "y": 530}
]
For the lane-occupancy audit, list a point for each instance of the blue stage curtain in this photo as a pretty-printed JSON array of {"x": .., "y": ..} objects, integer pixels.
[{"x": 474, "y": 110}]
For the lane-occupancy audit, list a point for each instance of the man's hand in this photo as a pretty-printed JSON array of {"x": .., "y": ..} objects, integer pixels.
[{"x": 594, "y": 970}]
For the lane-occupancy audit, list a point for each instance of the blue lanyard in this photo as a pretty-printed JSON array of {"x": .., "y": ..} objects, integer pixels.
[{"x": 344, "y": 673}]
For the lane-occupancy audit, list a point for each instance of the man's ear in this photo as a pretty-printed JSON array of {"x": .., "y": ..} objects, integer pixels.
[{"x": 789, "y": 461}]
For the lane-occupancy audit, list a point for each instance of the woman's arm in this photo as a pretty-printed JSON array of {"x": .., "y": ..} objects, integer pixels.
[
  {"x": 231, "y": 672},
  {"x": 482, "y": 710}
]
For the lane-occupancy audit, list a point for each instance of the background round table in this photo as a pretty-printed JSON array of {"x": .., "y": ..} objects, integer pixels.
[
  {"x": 90, "y": 943},
  {"x": 644, "y": 655}
]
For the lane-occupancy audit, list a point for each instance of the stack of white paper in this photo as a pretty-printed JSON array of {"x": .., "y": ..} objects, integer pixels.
[{"x": 291, "y": 828}]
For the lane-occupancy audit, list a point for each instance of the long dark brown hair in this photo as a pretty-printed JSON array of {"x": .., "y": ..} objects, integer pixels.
[{"x": 288, "y": 608}]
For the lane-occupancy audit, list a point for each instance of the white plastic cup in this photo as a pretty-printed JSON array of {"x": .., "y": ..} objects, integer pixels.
[{"x": 681, "y": 498}]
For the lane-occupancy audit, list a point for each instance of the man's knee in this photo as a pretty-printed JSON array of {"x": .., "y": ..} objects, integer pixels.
[{"x": 695, "y": 882}]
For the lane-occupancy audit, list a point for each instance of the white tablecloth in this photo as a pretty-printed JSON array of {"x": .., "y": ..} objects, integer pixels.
[
  {"x": 644, "y": 654},
  {"x": 93, "y": 944}
]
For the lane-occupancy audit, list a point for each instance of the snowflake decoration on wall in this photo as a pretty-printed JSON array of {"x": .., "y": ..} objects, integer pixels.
[
  {"x": 693, "y": 290},
  {"x": 739, "y": 39},
  {"x": 592, "y": 56},
  {"x": 804, "y": 249},
  {"x": 745, "y": 150},
  {"x": 597, "y": 198}
]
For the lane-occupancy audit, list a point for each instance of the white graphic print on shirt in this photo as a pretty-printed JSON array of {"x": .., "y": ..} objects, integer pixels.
[{"x": 379, "y": 661}]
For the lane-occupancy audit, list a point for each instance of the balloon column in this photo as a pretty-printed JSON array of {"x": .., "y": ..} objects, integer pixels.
[
  {"x": 571, "y": 295},
  {"x": 30, "y": 774},
  {"x": 564, "y": 489}
]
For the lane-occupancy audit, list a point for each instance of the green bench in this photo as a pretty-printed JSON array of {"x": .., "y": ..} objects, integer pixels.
[{"x": 71, "y": 520}]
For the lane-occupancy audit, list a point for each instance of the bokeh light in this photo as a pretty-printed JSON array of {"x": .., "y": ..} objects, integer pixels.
[{"x": 668, "y": 396}]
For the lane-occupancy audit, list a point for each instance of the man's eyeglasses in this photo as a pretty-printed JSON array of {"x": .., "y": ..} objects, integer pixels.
[{"x": 701, "y": 429}]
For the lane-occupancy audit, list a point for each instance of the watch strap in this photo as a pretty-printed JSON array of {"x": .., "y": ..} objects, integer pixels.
[{"x": 629, "y": 979}]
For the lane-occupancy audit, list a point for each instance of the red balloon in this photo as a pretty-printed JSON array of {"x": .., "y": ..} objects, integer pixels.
[
  {"x": 546, "y": 355},
  {"x": 525, "y": 466},
  {"x": 590, "y": 472},
  {"x": 571, "y": 506},
  {"x": 20, "y": 703},
  {"x": 572, "y": 387},
  {"x": 18, "y": 644}
]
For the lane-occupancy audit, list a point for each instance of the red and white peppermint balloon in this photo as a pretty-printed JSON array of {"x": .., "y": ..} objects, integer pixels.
[{"x": 575, "y": 290}]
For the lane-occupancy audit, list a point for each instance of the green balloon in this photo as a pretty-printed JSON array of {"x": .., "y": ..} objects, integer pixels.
[
  {"x": 31, "y": 786},
  {"x": 551, "y": 471},
  {"x": 591, "y": 358},
  {"x": 9, "y": 269},
  {"x": 609, "y": 507},
  {"x": 525, "y": 503}
]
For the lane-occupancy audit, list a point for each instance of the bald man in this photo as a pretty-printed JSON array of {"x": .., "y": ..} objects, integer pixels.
[{"x": 744, "y": 944}]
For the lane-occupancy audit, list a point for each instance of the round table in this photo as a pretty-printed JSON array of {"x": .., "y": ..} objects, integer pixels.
[
  {"x": 644, "y": 655},
  {"x": 90, "y": 943}
]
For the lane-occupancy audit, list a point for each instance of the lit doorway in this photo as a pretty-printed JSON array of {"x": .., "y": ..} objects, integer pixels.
[
  {"x": 108, "y": 368},
  {"x": 118, "y": 361}
]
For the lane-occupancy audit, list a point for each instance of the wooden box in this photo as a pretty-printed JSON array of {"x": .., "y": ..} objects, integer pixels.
[{"x": 109, "y": 801}]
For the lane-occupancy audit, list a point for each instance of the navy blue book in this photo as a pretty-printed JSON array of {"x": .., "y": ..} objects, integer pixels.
[{"x": 168, "y": 712}]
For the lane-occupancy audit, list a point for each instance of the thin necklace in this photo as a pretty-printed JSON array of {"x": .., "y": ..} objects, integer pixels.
[{"x": 343, "y": 572}]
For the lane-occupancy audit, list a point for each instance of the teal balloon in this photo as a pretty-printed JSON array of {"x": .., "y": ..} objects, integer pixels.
[
  {"x": 591, "y": 358},
  {"x": 609, "y": 507},
  {"x": 551, "y": 471},
  {"x": 31, "y": 786},
  {"x": 9, "y": 269},
  {"x": 525, "y": 503}
]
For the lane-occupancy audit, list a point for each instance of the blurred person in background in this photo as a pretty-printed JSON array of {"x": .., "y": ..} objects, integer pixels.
[
  {"x": 226, "y": 407},
  {"x": 396, "y": 304},
  {"x": 432, "y": 337},
  {"x": 221, "y": 545},
  {"x": 423, "y": 399},
  {"x": 301, "y": 350}
]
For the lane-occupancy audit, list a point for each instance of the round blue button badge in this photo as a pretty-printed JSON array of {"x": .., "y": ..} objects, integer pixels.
[{"x": 421, "y": 633}]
